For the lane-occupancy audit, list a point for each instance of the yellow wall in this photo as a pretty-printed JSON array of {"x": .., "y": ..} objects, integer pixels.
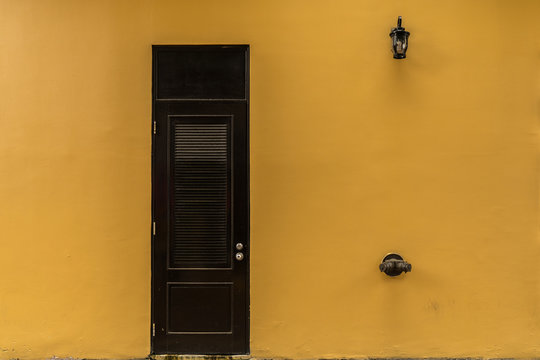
[{"x": 353, "y": 155}]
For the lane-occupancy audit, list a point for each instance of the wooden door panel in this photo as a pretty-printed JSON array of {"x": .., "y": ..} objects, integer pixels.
[{"x": 201, "y": 211}]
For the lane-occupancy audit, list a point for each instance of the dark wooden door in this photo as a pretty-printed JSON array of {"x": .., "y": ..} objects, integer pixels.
[{"x": 200, "y": 187}]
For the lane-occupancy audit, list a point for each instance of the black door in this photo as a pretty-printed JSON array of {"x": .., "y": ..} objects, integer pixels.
[{"x": 200, "y": 187}]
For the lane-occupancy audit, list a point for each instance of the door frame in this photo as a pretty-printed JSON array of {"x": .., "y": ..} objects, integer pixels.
[{"x": 246, "y": 180}]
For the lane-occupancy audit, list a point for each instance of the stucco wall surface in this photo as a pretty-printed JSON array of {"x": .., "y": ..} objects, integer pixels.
[{"x": 353, "y": 155}]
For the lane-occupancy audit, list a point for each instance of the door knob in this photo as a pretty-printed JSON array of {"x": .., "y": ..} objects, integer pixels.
[
  {"x": 239, "y": 256},
  {"x": 393, "y": 265}
]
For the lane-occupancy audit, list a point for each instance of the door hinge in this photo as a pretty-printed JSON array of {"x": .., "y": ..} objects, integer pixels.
[
  {"x": 153, "y": 329},
  {"x": 153, "y": 228},
  {"x": 155, "y": 128}
]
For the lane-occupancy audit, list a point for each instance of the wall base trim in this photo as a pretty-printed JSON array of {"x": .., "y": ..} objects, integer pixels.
[{"x": 249, "y": 357}]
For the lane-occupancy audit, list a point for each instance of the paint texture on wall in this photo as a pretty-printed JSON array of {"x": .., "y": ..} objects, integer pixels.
[{"x": 353, "y": 155}]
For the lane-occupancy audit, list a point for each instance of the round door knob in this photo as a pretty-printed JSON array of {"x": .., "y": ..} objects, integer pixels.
[
  {"x": 239, "y": 256},
  {"x": 239, "y": 246}
]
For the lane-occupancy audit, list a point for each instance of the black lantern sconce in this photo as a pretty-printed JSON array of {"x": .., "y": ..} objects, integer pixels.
[{"x": 400, "y": 40}]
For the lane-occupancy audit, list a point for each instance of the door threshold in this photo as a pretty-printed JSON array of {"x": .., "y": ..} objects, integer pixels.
[{"x": 198, "y": 357}]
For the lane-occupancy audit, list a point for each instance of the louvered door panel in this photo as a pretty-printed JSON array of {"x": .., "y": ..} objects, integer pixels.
[{"x": 200, "y": 162}]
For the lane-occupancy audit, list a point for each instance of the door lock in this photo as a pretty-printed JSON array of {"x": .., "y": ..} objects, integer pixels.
[
  {"x": 393, "y": 265},
  {"x": 239, "y": 256}
]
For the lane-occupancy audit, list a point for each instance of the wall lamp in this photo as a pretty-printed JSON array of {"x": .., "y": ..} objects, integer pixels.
[{"x": 400, "y": 40}]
